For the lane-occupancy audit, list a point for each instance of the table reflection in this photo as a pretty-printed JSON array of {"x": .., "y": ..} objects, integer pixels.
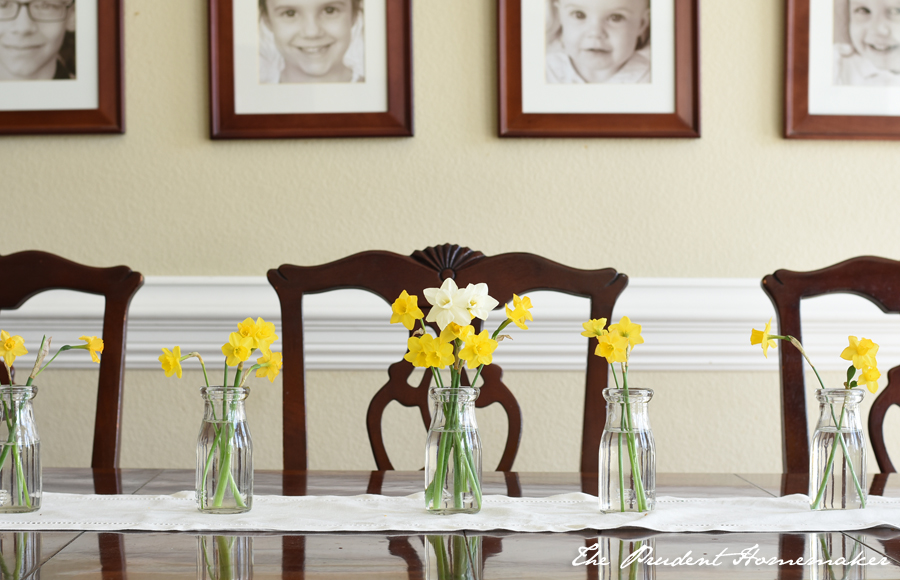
[
  {"x": 20, "y": 555},
  {"x": 225, "y": 557}
]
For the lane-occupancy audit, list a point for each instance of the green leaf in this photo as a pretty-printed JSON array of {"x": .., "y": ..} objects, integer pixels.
[
  {"x": 851, "y": 372},
  {"x": 853, "y": 384}
]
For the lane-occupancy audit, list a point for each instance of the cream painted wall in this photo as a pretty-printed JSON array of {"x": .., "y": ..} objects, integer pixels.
[{"x": 164, "y": 199}]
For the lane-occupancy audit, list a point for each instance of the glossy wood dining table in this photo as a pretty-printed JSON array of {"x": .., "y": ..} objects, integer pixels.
[{"x": 401, "y": 555}]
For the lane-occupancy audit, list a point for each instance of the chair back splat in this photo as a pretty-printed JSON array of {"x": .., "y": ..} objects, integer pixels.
[
  {"x": 25, "y": 274},
  {"x": 873, "y": 278},
  {"x": 387, "y": 274}
]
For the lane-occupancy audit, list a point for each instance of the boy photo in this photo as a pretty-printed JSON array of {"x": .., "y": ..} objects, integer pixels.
[
  {"x": 311, "y": 41},
  {"x": 598, "y": 41},
  {"x": 866, "y": 42},
  {"x": 37, "y": 40}
]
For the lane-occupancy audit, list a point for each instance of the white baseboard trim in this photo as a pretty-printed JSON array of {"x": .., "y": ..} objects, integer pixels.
[{"x": 689, "y": 324}]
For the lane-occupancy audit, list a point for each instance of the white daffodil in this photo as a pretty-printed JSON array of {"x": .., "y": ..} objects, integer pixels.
[
  {"x": 479, "y": 303},
  {"x": 448, "y": 304}
]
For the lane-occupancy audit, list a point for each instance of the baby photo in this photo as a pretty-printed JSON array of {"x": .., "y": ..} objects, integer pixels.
[
  {"x": 867, "y": 42},
  {"x": 598, "y": 41},
  {"x": 311, "y": 41},
  {"x": 37, "y": 40}
]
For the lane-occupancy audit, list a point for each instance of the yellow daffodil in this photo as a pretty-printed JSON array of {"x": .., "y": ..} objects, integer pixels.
[
  {"x": 171, "y": 361},
  {"x": 519, "y": 312},
  {"x": 861, "y": 352},
  {"x": 427, "y": 351},
  {"x": 248, "y": 329},
  {"x": 94, "y": 346},
  {"x": 594, "y": 327},
  {"x": 612, "y": 347},
  {"x": 11, "y": 347},
  {"x": 237, "y": 349},
  {"x": 478, "y": 350},
  {"x": 628, "y": 330},
  {"x": 869, "y": 377},
  {"x": 406, "y": 311},
  {"x": 273, "y": 363},
  {"x": 265, "y": 335},
  {"x": 762, "y": 337},
  {"x": 453, "y": 331}
]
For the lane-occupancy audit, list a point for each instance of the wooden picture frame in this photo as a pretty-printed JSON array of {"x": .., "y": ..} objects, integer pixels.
[
  {"x": 396, "y": 120},
  {"x": 109, "y": 114},
  {"x": 804, "y": 119},
  {"x": 683, "y": 122}
]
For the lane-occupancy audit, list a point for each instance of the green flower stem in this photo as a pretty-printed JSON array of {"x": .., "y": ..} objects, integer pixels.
[
  {"x": 632, "y": 452},
  {"x": 61, "y": 349},
  {"x": 11, "y": 425},
  {"x": 621, "y": 471},
  {"x": 440, "y": 554},
  {"x": 209, "y": 569},
  {"x": 224, "y": 466},
  {"x": 621, "y": 476},
  {"x": 224, "y": 557},
  {"x": 10, "y": 438},
  {"x": 470, "y": 469},
  {"x": 20, "y": 474}
]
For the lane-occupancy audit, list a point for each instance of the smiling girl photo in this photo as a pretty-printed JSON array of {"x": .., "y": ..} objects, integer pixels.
[{"x": 311, "y": 41}]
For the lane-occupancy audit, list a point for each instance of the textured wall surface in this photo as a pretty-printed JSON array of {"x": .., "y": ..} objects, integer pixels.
[{"x": 166, "y": 200}]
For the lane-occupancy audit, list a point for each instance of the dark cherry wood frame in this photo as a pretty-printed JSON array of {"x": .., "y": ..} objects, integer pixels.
[
  {"x": 873, "y": 278},
  {"x": 109, "y": 117},
  {"x": 396, "y": 122},
  {"x": 387, "y": 274},
  {"x": 34, "y": 272},
  {"x": 684, "y": 122},
  {"x": 798, "y": 122}
]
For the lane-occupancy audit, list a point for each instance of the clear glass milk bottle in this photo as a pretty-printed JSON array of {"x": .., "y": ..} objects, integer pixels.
[
  {"x": 837, "y": 456},
  {"x": 627, "y": 477},
  {"x": 224, "y": 453},
  {"x": 20, "y": 458},
  {"x": 453, "y": 453}
]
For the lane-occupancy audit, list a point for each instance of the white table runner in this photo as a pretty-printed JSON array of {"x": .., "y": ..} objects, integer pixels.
[{"x": 371, "y": 513}]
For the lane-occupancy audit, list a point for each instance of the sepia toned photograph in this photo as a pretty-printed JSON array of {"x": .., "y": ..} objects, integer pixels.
[
  {"x": 598, "y": 41},
  {"x": 842, "y": 65},
  {"x": 311, "y": 41},
  {"x": 37, "y": 40},
  {"x": 310, "y": 68},
  {"x": 867, "y": 43}
]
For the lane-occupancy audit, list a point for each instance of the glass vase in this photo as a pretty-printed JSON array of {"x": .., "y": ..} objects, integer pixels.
[
  {"x": 627, "y": 478},
  {"x": 837, "y": 556},
  {"x": 625, "y": 555},
  {"x": 837, "y": 457},
  {"x": 20, "y": 555},
  {"x": 20, "y": 458},
  {"x": 225, "y": 558},
  {"x": 453, "y": 557},
  {"x": 224, "y": 453},
  {"x": 453, "y": 453}
]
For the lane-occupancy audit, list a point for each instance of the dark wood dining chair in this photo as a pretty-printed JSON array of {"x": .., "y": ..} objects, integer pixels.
[
  {"x": 24, "y": 274},
  {"x": 876, "y": 279},
  {"x": 387, "y": 274}
]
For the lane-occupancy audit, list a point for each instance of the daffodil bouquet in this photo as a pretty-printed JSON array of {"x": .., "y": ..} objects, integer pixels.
[
  {"x": 863, "y": 371},
  {"x": 224, "y": 432},
  {"x": 453, "y": 456},
  {"x": 624, "y": 425},
  {"x": 20, "y": 482}
]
